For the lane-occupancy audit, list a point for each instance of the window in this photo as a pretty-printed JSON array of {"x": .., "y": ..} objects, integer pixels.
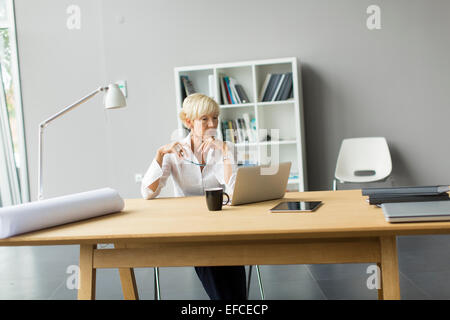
[{"x": 14, "y": 188}]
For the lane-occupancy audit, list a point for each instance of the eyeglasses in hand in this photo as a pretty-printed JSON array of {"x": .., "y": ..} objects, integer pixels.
[
  {"x": 197, "y": 164},
  {"x": 190, "y": 161}
]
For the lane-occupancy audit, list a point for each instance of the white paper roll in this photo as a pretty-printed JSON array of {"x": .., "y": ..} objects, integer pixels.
[{"x": 56, "y": 211}]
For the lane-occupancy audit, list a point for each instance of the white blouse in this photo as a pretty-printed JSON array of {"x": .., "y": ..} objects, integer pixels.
[{"x": 188, "y": 179}]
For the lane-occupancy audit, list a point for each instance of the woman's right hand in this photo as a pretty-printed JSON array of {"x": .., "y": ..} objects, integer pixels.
[{"x": 173, "y": 147}]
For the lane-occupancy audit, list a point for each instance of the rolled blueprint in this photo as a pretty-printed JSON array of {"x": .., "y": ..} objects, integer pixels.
[{"x": 56, "y": 211}]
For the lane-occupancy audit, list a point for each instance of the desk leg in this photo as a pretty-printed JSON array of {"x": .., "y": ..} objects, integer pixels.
[
  {"x": 389, "y": 268},
  {"x": 86, "y": 290},
  {"x": 128, "y": 284},
  {"x": 128, "y": 280}
]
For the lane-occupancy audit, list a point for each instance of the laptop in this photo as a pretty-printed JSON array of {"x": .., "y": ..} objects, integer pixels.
[
  {"x": 417, "y": 211},
  {"x": 252, "y": 186}
]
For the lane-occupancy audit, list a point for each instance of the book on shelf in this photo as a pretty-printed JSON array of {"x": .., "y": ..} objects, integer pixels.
[
  {"x": 225, "y": 95},
  {"x": 243, "y": 97},
  {"x": 251, "y": 135},
  {"x": 270, "y": 87},
  {"x": 277, "y": 87},
  {"x": 264, "y": 87},
  {"x": 223, "y": 129},
  {"x": 228, "y": 133},
  {"x": 244, "y": 130},
  {"x": 286, "y": 88},
  {"x": 291, "y": 93},
  {"x": 238, "y": 130},
  {"x": 237, "y": 136},
  {"x": 182, "y": 88},
  {"x": 232, "y": 133},
  {"x": 241, "y": 129},
  {"x": 187, "y": 85},
  {"x": 227, "y": 82},
  {"x": 241, "y": 92},
  {"x": 232, "y": 92}
]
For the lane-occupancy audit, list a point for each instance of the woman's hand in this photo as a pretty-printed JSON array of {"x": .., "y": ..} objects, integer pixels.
[
  {"x": 173, "y": 147},
  {"x": 212, "y": 143}
]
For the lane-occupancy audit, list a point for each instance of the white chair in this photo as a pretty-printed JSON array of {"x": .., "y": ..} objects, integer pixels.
[
  {"x": 157, "y": 289},
  {"x": 156, "y": 282},
  {"x": 362, "y": 160},
  {"x": 258, "y": 273}
]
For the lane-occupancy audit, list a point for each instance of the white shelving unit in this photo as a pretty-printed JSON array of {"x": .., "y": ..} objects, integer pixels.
[{"x": 287, "y": 116}]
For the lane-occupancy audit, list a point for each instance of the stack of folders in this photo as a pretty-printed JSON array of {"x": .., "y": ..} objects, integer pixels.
[
  {"x": 378, "y": 196},
  {"x": 276, "y": 87},
  {"x": 239, "y": 130},
  {"x": 232, "y": 91}
]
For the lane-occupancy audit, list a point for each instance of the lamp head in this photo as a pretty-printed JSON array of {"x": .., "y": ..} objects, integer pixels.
[{"x": 114, "y": 98}]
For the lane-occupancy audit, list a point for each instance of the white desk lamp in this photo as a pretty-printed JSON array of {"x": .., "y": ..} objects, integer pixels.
[{"x": 112, "y": 100}]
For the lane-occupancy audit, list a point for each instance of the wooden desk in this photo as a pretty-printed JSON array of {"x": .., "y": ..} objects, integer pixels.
[{"x": 182, "y": 232}]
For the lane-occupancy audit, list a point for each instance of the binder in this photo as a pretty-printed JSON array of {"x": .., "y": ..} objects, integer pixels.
[
  {"x": 406, "y": 191},
  {"x": 394, "y": 199}
]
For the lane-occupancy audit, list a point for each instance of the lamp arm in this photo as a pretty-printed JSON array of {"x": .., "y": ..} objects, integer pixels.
[
  {"x": 44, "y": 124},
  {"x": 71, "y": 107}
]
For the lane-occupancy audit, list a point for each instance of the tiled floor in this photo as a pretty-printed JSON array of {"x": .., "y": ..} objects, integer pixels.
[{"x": 42, "y": 273}]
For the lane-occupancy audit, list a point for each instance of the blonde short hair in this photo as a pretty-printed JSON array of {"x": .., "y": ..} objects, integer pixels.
[{"x": 197, "y": 105}]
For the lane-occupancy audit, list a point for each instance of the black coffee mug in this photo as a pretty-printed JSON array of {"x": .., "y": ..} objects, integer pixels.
[{"x": 214, "y": 198}]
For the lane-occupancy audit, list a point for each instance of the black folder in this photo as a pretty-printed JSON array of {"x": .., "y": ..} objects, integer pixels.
[
  {"x": 406, "y": 191},
  {"x": 379, "y": 199}
]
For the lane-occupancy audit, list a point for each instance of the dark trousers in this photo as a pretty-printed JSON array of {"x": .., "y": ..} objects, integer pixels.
[{"x": 223, "y": 283}]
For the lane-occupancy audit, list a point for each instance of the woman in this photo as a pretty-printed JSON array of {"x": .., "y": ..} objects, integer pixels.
[{"x": 197, "y": 162}]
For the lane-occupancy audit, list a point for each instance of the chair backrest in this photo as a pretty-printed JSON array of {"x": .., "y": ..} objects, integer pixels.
[{"x": 363, "y": 160}]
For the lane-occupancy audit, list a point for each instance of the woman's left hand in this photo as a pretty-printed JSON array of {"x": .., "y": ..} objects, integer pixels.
[{"x": 212, "y": 143}]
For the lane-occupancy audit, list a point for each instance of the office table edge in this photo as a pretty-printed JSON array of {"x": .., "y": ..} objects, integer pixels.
[{"x": 195, "y": 237}]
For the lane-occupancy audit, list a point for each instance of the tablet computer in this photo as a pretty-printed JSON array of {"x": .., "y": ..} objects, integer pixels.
[{"x": 296, "y": 206}]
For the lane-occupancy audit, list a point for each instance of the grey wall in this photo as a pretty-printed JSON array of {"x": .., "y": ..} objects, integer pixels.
[
  {"x": 391, "y": 82},
  {"x": 58, "y": 67}
]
